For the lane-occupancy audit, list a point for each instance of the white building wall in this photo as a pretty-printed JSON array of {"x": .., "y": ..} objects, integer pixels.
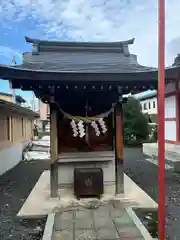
[
  {"x": 11, "y": 156},
  {"x": 170, "y": 87},
  {"x": 170, "y": 110},
  {"x": 170, "y": 113},
  {"x": 170, "y": 130},
  {"x": 170, "y": 107},
  {"x": 149, "y": 105}
]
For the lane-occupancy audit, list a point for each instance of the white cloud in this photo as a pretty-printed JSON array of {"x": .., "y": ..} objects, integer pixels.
[
  {"x": 101, "y": 20},
  {"x": 7, "y": 54}
]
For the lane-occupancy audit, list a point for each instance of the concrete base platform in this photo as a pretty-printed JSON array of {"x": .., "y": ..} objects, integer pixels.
[{"x": 39, "y": 202}]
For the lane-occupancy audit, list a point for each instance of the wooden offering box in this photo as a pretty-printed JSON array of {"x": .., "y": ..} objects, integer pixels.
[{"x": 88, "y": 182}]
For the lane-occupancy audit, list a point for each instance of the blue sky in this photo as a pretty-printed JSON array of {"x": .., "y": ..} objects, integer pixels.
[{"x": 87, "y": 20}]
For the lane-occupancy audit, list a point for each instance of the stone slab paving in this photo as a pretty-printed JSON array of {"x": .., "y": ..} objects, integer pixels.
[{"x": 109, "y": 221}]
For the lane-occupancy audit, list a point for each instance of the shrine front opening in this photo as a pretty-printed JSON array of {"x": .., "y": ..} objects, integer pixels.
[
  {"x": 85, "y": 121},
  {"x": 86, "y": 132}
]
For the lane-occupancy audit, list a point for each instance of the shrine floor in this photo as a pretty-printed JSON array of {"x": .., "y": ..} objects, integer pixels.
[{"x": 107, "y": 221}]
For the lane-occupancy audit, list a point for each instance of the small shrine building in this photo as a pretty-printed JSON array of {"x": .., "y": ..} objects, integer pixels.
[{"x": 84, "y": 84}]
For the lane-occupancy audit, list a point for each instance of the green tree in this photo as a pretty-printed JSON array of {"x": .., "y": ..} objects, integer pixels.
[{"x": 135, "y": 122}]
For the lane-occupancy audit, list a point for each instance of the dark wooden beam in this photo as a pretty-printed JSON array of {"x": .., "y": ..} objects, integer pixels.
[{"x": 82, "y": 86}]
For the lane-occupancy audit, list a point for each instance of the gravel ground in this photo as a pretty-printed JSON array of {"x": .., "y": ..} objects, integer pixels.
[
  {"x": 149, "y": 218},
  {"x": 145, "y": 175},
  {"x": 15, "y": 186}
]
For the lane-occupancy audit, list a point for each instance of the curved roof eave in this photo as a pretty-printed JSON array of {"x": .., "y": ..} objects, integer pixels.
[
  {"x": 71, "y": 43},
  {"x": 12, "y": 72},
  {"x": 18, "y": 68}
]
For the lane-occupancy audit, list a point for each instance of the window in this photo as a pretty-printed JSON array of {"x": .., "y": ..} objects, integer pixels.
[
  {"x": 145, "y": 106},
  {"x": 149, "y": 105},
  {"x": 154, "y": 104}
]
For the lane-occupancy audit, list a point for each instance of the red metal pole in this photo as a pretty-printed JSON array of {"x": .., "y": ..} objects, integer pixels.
[{"x": 161, "y": 134}]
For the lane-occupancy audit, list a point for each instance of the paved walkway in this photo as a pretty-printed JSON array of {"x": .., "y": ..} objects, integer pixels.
[{"x": 109, "y": 221}]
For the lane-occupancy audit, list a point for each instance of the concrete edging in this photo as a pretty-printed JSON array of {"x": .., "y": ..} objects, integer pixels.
[
  {"x": 139, "y": 224},
  {"x": 48, "y": 231}
]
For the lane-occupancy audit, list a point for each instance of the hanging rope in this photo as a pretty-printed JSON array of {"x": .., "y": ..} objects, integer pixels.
[{"x": 84, "y": 119}]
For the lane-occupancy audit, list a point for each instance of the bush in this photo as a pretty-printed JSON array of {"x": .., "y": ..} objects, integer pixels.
[
  {"x": 133, "y": 143},
  {"x": 135, "y": 123}
]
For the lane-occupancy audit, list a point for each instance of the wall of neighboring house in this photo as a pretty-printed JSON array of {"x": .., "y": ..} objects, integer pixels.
[
  {"x": 172, "y": 113},
  {"x": 149, "y": 105},
  {"x": 6, "y": 97},
  {"x": 44, "y": 113},
  {"x": 16, "y": 132},
  {"x": 43, "y": 110}
]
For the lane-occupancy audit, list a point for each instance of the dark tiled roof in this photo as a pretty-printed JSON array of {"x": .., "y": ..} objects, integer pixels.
[
  {"x": 18, "y": 109},
  {"x": 82, "y": 62},
  {"x": 85, "y": 67},
  {"x": 106, "y": 57}
]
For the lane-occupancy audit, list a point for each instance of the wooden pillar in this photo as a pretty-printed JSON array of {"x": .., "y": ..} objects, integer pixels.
[
  {"x": 113, "y": 128},
  {"x": 53, "y": 150},
  {"x": 119, "y": 147}
]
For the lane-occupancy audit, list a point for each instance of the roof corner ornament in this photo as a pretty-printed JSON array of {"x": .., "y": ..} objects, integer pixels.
[
  {"x": 31, "y": 40},
  {"x": 27, "y": 39},
  {"x": 132, "y": 40}
]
